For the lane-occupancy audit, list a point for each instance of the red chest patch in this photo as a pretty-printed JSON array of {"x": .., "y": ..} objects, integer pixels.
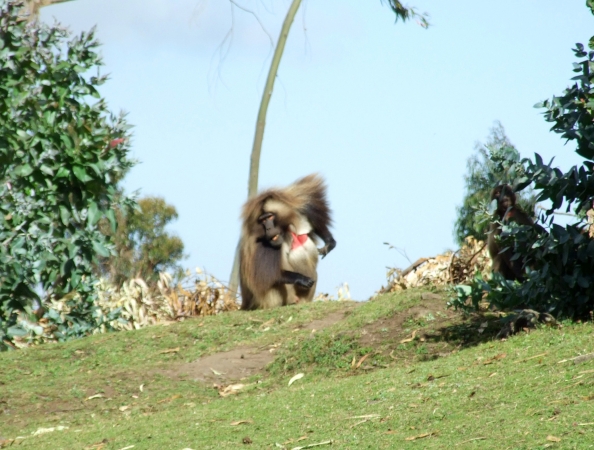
[
  {"x": 298, "y": 240},
  {"x": 510, "y": 215}
]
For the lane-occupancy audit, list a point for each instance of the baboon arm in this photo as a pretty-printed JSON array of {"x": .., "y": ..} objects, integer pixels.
[
  {"x": 288, "y": 277},
  {"x": 320, "y": 228},
  {"x": 317, "y": 212},
  {"x": 517, "y": 215}
]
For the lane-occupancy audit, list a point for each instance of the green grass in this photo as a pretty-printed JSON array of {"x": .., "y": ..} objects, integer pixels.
[{"x": 466, "y": 389}]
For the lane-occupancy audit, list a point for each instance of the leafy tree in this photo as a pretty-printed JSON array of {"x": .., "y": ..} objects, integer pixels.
[
  {"x": 561, "y": 262},
  {"x": 493, "y": 163},
  {"x": 60, "y": 158},
  {"x": 142, "y": 246}
]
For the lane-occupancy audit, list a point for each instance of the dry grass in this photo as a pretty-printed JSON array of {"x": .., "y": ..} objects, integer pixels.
[
  {"x": 449, "y": 268},
  {"x": 140, "y": 306}
]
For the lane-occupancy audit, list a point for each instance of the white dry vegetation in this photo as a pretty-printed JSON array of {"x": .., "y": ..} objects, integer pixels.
[
  {"x": 138, "y": 305},
  {"x": 450, "y": 268}
]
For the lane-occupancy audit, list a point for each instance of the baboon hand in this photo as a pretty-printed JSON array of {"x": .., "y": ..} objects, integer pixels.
[
  {"x": 327, "y": 248},
  {"x": 305, "y": 282}
]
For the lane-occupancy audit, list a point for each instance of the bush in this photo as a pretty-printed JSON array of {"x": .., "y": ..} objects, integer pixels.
[
  {"x": 61, "y": 155},
  {"x": 493, "y": 163},
  {"x": 560, "y": 262}
]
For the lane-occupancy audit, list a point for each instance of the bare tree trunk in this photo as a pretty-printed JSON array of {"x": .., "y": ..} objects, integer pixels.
[
  {"x": 261, "y": 123},
  {"x": 234, "y": 278},
  {"x": 33, "y": 6}
]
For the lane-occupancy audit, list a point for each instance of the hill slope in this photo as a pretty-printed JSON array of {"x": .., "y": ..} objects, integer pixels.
[{"x": 400, "y": 371}]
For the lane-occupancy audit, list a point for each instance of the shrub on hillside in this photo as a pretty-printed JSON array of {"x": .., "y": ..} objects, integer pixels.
[
  {"x": 559, "y": 262},
  {"x": 61, "y": 155}
]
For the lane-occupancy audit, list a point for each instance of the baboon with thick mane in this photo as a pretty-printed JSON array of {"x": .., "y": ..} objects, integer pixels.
[{"x": 278, "y": 252}]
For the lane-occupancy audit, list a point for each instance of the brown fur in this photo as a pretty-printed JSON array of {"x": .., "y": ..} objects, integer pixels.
[
  {"x": 506, "y": 211},
  {"x": 300, "y": 208}
]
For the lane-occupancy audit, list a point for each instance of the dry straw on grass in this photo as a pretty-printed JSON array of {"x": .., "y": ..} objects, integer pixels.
[
  {"x": 457, "y": 267},
  {"x": 450, "y": 268},
  {"x": 202, "y": 295},
  {"x": 140, "y": 306},
  {"x": 343, "y": 293},
  {"x": 198, "y": 295}
]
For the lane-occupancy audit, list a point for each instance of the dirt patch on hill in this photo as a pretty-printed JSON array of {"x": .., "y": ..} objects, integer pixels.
[
  {"x": 432, "y": 309},
  {"x": 243, "y": 362},
  {"x": 424, "y": 327},
  {"x": 225, "y": 367},
  {"x": 325, "y": 322},
  {"x": 425, "y": 331}
]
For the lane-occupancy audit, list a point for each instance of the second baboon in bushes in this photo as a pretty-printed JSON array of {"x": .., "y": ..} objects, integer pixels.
[
  {"x": 507, "y": 211},
  {"x": 278, "y": 254}
]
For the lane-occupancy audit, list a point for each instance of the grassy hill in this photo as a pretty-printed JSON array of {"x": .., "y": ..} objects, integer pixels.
[{"x": 401, "y": 371}]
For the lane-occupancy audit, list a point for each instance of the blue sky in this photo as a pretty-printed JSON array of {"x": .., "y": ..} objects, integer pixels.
[{"x": 387, "y": 113}]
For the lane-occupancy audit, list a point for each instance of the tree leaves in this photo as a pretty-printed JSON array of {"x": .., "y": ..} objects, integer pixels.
[
  {"x": 81, "y": 174},
  {"x": 143, "y": 246},
  {"x": 559, "y": 261},
  {"x": 23, "y": 170},
  {"x": 64, "y": 215},
  {"x": 93, "y": 213},
  {"x": 495, "y": 162},
  {"x": 100, "y": 249},
  {"x": 56, "y": 175}
]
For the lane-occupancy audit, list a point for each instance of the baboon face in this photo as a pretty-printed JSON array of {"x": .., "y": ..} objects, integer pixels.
[
  {"x": 273, "y": 234},
  {"x": 505, "y": 198}
]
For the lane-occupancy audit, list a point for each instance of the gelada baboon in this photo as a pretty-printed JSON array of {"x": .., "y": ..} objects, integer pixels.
[
  {"x": 278, "y": 254},
  {"x": 507, "y": 211}
]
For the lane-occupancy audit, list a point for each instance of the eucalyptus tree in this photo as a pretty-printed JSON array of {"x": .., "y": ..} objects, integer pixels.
[
  {"x": 559, "y": 259},
  {"x": 62, "y": 153}
]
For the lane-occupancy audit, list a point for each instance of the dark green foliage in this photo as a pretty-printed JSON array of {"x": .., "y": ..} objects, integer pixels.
[
  {"x": 406, "y": 13},
  {"x": 562, "y": 284},
  {"x": 572, "y": 117},
  {"x": 142, "y": 246},
  {"x": 493, "y": 163},
  {"x": 61, "y": 153},
  {"x": 561, "y": 279}
]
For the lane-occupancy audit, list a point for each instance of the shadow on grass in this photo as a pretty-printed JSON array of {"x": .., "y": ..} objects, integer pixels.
[{"x": 469, "y": 331}]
